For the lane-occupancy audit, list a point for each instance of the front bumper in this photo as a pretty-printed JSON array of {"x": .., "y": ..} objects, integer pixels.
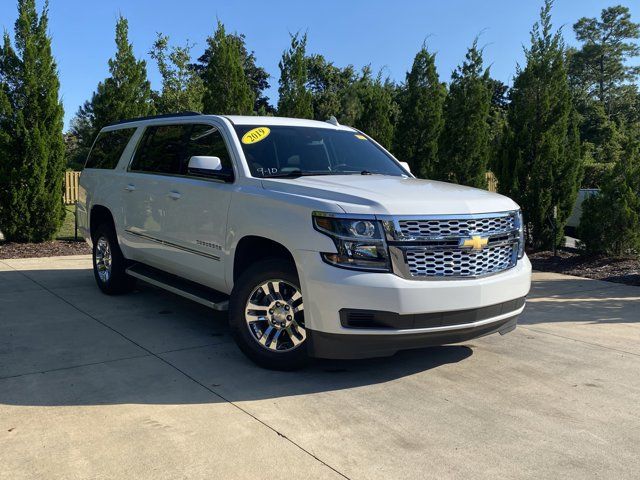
[
  {"x": 328, "y": 290},
  {"x": 337, "y": 346}
]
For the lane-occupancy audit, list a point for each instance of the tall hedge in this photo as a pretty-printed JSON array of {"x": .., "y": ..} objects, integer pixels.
[{"x": 31, "y": 142}]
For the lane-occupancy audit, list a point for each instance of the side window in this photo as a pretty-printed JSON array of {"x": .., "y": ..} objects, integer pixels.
[
  {"x": 108, "y": 148},
  {"x": 206, "y": 140},
  {"x": 161, "y": 150}
]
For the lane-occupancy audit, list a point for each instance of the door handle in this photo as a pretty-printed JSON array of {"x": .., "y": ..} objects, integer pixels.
[
  {"x": 130, "y": 187},
  {"x": 174, "y": 195}
]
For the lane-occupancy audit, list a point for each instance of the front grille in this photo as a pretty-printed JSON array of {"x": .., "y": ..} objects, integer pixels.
[
  {"x": 443, "y": 247},
  {"x": 459, "y": 263},
  {"x": 456, "y": 226}
]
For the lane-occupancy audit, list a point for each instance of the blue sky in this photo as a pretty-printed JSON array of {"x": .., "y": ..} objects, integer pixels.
[{"x": 384, "y": 34}]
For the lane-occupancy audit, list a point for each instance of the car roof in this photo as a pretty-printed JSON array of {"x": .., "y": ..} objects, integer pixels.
[
  {"x": 234, "y": 119},
  {"x": 282, "y": 121}
]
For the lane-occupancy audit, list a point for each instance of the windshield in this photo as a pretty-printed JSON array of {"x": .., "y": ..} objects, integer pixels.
[{"x": 287, "y": 151}]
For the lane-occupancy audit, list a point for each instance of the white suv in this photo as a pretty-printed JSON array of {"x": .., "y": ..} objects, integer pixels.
[{"x": 314, "y": 237}]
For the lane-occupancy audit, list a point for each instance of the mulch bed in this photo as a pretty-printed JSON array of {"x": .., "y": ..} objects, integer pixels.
[
  {"x": 53, "y": 248},
  {"x": 570, "y": 262}
]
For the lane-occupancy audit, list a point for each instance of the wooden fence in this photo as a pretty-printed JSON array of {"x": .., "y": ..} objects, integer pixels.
[
  {"x": 71, "y": 187},
  {"x": 492, "y": 182}
]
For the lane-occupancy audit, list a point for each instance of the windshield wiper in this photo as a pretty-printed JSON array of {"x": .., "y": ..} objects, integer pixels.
[{"x": 296, "y": 174}]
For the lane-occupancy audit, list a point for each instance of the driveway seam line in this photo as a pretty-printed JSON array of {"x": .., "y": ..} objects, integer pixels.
[
  {"x": 273, "y": 429},
  {"x": 579, "y": 341},
  {"x": 111, "y": 360},
  {"x": 580, "y": 290},
  {"x": 26, "y": 374}
]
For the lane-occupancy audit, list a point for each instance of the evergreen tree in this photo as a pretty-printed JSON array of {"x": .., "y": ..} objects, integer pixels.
[
  {"x": 420, "y": 123},
  {"x": 464, "y": 143},
  {"x": 227, "y": 90},
  {"x": 257, "y": 77},
  {"x": 369, "y": 105},
  {"x": 610, "y": 221},
  {"x": 295, "y": 98},
  {"x": 497, "y": 119},
  {"x": 182, "y": 87},
  {"x": 541, "y": 167},
  {"x": 601, "y": 64},
  {"x": 328, "y": 84},
  {"x": 31, "y": 142},
  {"x": 127, "y": 92}
]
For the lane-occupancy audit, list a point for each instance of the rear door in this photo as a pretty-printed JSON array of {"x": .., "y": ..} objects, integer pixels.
[{"x": 146, "y": 189}]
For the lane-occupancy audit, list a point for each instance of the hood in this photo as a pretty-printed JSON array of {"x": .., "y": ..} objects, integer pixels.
[{"x": 390, "y": 195}]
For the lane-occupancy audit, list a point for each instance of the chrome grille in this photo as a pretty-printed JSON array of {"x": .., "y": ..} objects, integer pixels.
[
  {"x": 459, "y": 263},
  {"x": 438, "y": 247},
  {"x": 456, "y": 226}
]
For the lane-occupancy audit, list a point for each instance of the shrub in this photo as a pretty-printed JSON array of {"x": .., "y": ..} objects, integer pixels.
[{"x": 610, "y": 221}]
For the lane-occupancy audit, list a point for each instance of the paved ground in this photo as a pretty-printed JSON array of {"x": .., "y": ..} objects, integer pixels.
[{"x": 150, "y": 386}]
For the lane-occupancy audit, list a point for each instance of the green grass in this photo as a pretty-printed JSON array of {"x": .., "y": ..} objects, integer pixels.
[{"x": 67, "y": 230}]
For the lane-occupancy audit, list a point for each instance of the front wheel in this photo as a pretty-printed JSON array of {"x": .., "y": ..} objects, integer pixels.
[{"x": 267, "y": 315}]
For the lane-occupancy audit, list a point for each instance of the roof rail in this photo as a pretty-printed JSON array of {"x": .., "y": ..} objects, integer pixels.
[{"x": 153, "y": 117}]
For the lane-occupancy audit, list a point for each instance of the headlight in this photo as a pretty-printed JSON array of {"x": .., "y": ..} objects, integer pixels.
[
  {"x": 359, "y": 241},
  {"x": 520, "y": 223}
]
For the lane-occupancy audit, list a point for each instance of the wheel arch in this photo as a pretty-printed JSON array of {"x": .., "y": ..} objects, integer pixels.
[
  {"x": 253, "y": 248},
  {"x": 99, "y": 215}
]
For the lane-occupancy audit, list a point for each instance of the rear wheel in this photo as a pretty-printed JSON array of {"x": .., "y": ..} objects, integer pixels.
[
  {"x": 267, "y": 315},
  {"x": 109, "y": 265}
]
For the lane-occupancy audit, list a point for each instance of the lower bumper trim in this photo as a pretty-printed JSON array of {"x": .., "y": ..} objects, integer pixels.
[
  {"x": 350, "y": 346},
  {"x": 364, "y": 319}
]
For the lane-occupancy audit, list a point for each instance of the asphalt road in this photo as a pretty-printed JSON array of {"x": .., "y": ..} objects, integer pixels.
[{"x": 149, "y": 385}]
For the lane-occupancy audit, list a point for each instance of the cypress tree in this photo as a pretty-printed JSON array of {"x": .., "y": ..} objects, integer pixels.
[
  {"x": 295, "y": 98},
  {"x": 227, "y": 90},
  {"x": 464, "y": 144},
  {"x": 257, "y": 77},
  {"x": 420, "y": 124},
  {"x": 31, "y": 141},
  {"x": 127, "y": 92},
  {"x": 610, "y": 221},
  {"x": 328, "y": 83},
  {"x": 541, "y": 166},
  {"x": 369, "y": 105}
]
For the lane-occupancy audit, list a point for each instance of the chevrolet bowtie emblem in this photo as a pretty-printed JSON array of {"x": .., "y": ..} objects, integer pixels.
[{"x": 475, "y": 242}]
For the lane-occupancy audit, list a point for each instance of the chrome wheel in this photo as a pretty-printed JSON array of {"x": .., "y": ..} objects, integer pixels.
[
  {"x": 103, "y": 259},
  {"x": 275, "y": 316}
]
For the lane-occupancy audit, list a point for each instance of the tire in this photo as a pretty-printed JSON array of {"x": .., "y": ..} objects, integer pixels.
[
  {"x": 272, "y": 284},
  {"x": 109, "y": 264}
]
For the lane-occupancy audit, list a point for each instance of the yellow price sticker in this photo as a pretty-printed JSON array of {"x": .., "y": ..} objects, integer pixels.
[
  {"x": 361, "y": 137},
  {"x": 255, "y": 135}
]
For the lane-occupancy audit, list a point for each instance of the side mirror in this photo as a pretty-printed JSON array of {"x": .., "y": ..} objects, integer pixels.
[
  {"x": 405, "y": 165},
  {"x": 205, "y": 166}
]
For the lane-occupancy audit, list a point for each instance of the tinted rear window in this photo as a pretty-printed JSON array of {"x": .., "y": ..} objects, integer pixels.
[
  {"x": 161, "y": 149},
  {"x": 108, "y": 148}
]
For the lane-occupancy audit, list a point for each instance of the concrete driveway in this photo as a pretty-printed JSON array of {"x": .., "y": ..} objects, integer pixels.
[{"x": 151, "y": 386}]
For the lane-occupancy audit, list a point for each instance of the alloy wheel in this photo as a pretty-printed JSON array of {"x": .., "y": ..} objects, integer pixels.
[{"x": 275, "y": 316}]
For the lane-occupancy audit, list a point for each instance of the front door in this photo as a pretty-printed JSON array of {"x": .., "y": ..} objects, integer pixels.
[{"x": 195, "y": 219}]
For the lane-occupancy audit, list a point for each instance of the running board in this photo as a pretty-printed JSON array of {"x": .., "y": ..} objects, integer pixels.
[{"x": 185, "y": 288}]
